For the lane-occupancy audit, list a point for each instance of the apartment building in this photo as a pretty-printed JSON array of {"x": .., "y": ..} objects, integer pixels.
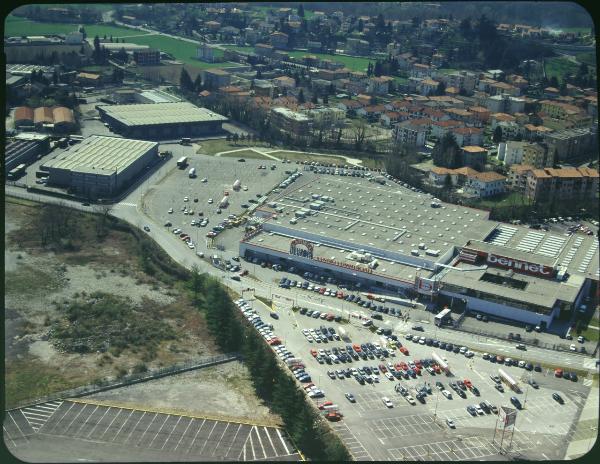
[
  {"x": 547, "y": 183},
  {"x": 290, "y": 121},
  {"x": 474, "y": 157},
  {"x": 411, "y": 133},
  {"x": 571, "y": 143},
  {"x": 485, "y": 184}
]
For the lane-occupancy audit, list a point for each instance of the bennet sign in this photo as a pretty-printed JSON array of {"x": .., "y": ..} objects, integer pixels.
[{"x": 520, "y": 266}]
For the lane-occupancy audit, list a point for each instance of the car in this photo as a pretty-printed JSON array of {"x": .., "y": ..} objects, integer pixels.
[
  {"x": 447, "y": 394},
  {"x": 418, "y": 328},
  {"x": 241, "y": 160},
  {"x": 350, "y": 397},
  {"x": 572, "y": 347},
  {"x": 210, "y": 201},
  {"x": 499, "y": 387},
  {"x": 170, "y": 211},
  {"x": 479, "y": 410},
  {"x": 520, "y": 346},
  {"x": 450, "y": 423},
  {"x": 515, "y": 401},
  {"x": 558, "y": 398},
  {"x": 534, "y": 384},
  {"x": 471, "y": 409},
  {"x": 387, "y": 402},
  {"x": 147, "y": 228},
  {"x": 558, "y": 372},
  {"x": 567, "y": 376}
]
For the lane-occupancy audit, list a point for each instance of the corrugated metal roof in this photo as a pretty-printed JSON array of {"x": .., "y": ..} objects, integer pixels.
[
  {"x": 160, "y": 113},
  {"x": 101, "y": 155}
]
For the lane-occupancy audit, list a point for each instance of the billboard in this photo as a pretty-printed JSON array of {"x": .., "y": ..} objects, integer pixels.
[
  {"x": 427, "y": 286},
  {"x": 507, "y": 416},
  {"x": 517, "y": 265},
  {"x": 302, "y": 248}
]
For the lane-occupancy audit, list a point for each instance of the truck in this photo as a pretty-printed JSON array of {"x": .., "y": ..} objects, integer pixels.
[
  {"x": 443, "y": 365},
  {"x": 185, "y": 141},
  {"x": 182, "y": 162},
  {"x": 512, "y": 383},
  {"x": 17, "y": 172},
  {"x": 237, "y": 185},
  {"x": 224, "y": 202},
  {"x": 192, "y": 173}
]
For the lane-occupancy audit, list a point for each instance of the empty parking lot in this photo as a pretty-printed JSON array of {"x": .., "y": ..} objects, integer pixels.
[{"x": 129, "y": 430}]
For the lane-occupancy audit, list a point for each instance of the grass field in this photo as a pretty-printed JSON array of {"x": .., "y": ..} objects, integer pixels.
[
  {"x": 589, "y": 58},
  {"x": 15, "y": 26},
  {"x": 513, "y": 198},
  {"x": 293, "y": 156},
  {"x": 559, "y": 67},
  {"x": 211, "y": 147},
  {"x": 93, "y": 6},
  {"x": 245, "y": 154},
  {"x": 239, "y": 48}
]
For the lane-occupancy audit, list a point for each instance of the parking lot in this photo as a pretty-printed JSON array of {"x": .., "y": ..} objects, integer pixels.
[
  {"x": 220, "y": 174},
  {"x": 371, "y": 430},
  {"x": 180, "y": 437}
]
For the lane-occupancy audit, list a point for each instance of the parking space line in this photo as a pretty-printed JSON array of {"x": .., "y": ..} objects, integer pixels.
[
  {"x": 78, "y": 414},
  {"x": 172, "y": 430},
  {"x": 111, "y": 423},
  {"x": 233, "y": 440},
  {"x": 194, "y": 439},
  {"x": 6, "y": 434},
  {"x": 156, "y": 434},
  {"x": 270, "y": 440},
  {"x": 151, "y": 422},
  {"x": 17, "y": 425},
  {"x": 219, "y": 442},
  {"x": 60, "y": 420},
  {"x": 207, "y": 438},
  {"x": 283, "y": 441},
  {"x": 134, "y": 428},
  {"x": 251, "y": 446},
  {"x": 122, "y": 425},
  {"x": 85, "y": 422}
]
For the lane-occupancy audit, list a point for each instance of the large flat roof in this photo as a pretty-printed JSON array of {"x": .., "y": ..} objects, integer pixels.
[
  {"x": 101, "y": 155},
  {"x": 387, "y": 217},
  {"x": 150, "y": 114},
  {"x": 542, "y": 292}
]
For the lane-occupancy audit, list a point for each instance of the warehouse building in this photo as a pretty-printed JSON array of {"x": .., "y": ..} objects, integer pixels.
[
  {"x": 24, "y": 149},
  {"x": 161, "y": 121},
  {"x": 389, "y": 238},
  {"x": 100, "y": 167}
]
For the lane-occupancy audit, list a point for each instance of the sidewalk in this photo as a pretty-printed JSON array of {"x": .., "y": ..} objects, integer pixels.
[{"x": 588, "y": 425}]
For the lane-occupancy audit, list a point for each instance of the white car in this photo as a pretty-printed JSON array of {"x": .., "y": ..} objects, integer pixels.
[
  {"x": 387, "y": 402},
  {"x": 305, "y": 332},
  {"x": 191, "y": 245},
  {"x": 463, "y": 350},
  {"x": 310, "y": 339},
  {"x": 244, "y": 188},
  {"x": 210, "y": 201},
  {"x": 170, "y": 211},
  {"x": 186, "y": 199},
  {"x": 389, "y": 376},
  {"x": 573, "y": 347},
  {"x": 205, "y": 180},
  {"x": 447, "y": 394},
  {"x": 410, "y": 400},
  {"x": 478, "y": 409}
]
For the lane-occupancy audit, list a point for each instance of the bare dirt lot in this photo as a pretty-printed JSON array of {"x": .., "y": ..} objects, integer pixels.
[{"x": 38, "y": 280}]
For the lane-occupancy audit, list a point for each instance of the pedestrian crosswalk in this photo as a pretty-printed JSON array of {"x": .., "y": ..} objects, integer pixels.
[
  {"x": 123, "y": 203},
  {"x": 587, "y": 382},
  {"x": 589, "y": 363},
  {"x": 39, "y": 414}
]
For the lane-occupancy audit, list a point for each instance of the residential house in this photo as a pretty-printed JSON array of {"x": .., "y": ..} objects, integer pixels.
[
  {"x": 389, "y": 118},
  {"x": 459, "y": 114},
  {"x": 412, "y": 132},
  {"x": 357, "y": 47},
  {"x": 289, "y": 121},
  {"x": 420, "y": 70},
  {"x": 474, "y": 157},
  {"x": 348, "y": 105},
  {"x": 504, "y": 103},
  {"x": 533, "y": 132},
  {"x": 262, "y": 49},
  {"x": 214, "y": 78},
  {"x": 284, "y": 82},
  {"x": 326, "y": 117},
  {"x": 485, "y": 184},
  {"x": 278, "y": 40},
  {"x": 427, "y": 86},
  {"x": 563, "y": 184},
  {"x": 481, "y": 115},
  {"x": 439, "y": 128},
  {"x": 371, "y": 111},
  {"x": 497, "y": 118},
  {"x": 571, "y": 144},
  {"x": 379, "y": 85},
  {"x": 467, "y": 136}
]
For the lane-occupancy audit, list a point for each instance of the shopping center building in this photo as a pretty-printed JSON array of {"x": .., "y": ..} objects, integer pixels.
[{"x": 390, "y": 238}]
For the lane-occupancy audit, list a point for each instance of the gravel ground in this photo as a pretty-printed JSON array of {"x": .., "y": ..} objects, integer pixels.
[{"x": 222, "y": 390}]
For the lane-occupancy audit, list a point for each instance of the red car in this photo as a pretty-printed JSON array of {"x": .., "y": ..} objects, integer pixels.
[
  {"x": 468, "y": 383},
  {"x": 340, "y": 294},
  {"x": 330, "y": 317},
  {"x": 404, "y": 350},
  {"x": 322, "y": 290},
  {"x": 326, "y": 403},
  {"x": 437, "y": 369},
  {"x": 558, "y": 372},
  {"x": 357, "y": 348},
  {"x": 417, "y": 370},
  {"x": 382, "y": 368},
  {"x": 314, "y": 353}
]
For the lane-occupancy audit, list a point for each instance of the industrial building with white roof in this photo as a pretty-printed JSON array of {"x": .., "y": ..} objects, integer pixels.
[
  {"x": 161, "y": 121},
  {"x": 100, "y": 166},
  {"x": 390, "y": 237}
]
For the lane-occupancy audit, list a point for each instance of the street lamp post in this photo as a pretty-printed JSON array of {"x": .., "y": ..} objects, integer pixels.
[{"x": 437, "y": 397}]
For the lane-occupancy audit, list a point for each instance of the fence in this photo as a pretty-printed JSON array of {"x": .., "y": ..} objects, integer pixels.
[{"x": 132, "y": 379}]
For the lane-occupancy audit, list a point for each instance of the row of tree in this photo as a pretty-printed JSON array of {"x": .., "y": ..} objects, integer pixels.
[{"x": 272, "y": 383}]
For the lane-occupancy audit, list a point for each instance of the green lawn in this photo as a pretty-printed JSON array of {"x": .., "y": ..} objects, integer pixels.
[
  {"x": 589, "y": 58},
  {"x": 512, "y": 198},
  {"x": 15, "y": 26},
  {"x": 293, "y": 156},
  {"x": 559, "y": 67},
  {"x": 245, "y": 154}
]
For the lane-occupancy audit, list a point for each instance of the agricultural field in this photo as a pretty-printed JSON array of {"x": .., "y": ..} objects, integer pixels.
[{"x": 15, "y": 26}]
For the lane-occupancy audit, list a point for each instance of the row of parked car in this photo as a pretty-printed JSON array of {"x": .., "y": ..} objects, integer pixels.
[
  {"x": 442, "y": 345},
  {"x": 497, "y": 359},
  {"x": 347, "y": 354}
]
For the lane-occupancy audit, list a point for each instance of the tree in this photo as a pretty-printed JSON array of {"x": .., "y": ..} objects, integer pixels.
[
  {"x": 236, "y": 137},
  {"x": 441, "y": 89},
  {"x": 198, "y": 84},
  {"x": 447, "y": 182},
  {"x": 497, "y": 136},
  {"x": 185, "y": 81},
  {"x": 122, "y": 55},
  {"x": 465, "y": 28},
  {"x": 446, "y": 152},
  {"x": 314, "y": 98},
  {"x": 301, "y": 99},
  {"x": 325, "y": 99},
  {"x": 301, "y": 10}
]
